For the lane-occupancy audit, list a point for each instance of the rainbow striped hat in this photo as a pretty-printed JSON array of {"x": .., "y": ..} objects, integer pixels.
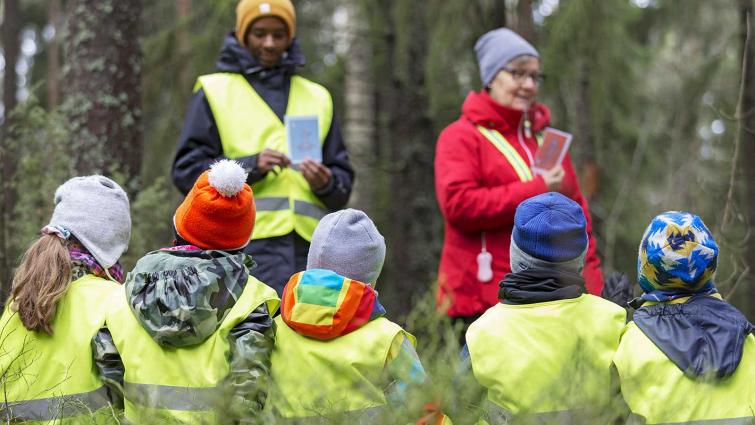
[{"x": 322, "y": 304}]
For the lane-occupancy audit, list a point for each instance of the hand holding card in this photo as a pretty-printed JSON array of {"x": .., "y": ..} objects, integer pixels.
[{"x": 552, "y": 151}]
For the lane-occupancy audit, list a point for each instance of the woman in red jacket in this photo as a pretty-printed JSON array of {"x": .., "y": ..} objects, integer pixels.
[{"x": 482, "y": 172}]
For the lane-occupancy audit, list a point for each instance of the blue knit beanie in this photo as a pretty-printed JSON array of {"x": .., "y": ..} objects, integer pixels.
[
  {"x": 497, "y": 48},
  {"x": 550, "y": 227}
]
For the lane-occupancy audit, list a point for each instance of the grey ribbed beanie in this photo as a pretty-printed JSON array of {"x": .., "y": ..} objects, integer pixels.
[
  {"x": 348, "y": 243},
  {"x": 497, "y": 48},
  {"x": 96, "y": 211}
]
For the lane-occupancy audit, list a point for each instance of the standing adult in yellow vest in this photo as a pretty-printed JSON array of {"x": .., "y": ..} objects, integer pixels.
[
  {"x": 482, "y": 172},
  {"x": 58, "y": 303},
  {"x": 336, "y": 354},
  {"x": 189, "y": 339},
  {"x": 544, "y": 352},
  {"x": 688, "y": 357},
  {"x": 239, "y": 112}
]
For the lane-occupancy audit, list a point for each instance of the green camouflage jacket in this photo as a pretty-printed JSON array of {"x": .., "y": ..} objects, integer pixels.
[{"x": 165, "y": 286}]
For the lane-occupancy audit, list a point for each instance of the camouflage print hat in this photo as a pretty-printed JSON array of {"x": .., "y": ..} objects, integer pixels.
[{"x": 677, "y": 255}]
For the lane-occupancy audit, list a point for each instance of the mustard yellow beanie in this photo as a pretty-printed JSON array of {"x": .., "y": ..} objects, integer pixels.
[{"x": 249, "y": 11}]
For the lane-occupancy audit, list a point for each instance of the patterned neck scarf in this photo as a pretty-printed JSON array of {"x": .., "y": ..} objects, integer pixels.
[{"x": 84, "y": 263}]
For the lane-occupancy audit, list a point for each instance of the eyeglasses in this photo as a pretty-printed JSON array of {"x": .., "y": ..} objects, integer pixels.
[{"x": 521, "y": 76}]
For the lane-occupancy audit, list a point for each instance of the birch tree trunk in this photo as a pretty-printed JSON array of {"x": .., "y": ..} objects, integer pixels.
[
  {"x": 55, "y": 16},
  {"x": 359, "y": 122}
]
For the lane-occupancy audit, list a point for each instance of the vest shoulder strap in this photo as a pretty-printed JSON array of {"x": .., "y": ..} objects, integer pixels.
[{"x": 509, "y": 152}]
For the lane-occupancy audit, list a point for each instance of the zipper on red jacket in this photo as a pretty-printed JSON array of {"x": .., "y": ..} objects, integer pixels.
[{"x": 519, "y": 137}]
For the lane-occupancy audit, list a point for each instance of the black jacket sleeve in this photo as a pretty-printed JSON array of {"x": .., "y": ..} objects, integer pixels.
[
  {"x": 336, "y": 194},
  {"x": 199, "y": 146}
]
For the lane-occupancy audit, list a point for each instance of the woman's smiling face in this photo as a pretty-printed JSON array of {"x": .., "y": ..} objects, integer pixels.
[{"x": 515, "y": 85}]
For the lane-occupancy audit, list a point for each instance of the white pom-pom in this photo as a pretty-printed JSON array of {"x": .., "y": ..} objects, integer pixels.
[{"x": 227, "y": 177}]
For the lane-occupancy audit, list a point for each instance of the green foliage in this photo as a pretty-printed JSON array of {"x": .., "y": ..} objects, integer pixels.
[{"x": 41, "y": 139}]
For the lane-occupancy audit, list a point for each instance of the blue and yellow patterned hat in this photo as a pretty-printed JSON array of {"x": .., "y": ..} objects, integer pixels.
[{"x": 677, "y": 254}]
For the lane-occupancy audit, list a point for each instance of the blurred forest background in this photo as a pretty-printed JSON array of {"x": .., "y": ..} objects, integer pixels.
[{"x": 655, "y": 91}]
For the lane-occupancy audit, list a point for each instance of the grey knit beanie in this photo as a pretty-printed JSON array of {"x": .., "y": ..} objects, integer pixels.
[
  {"x": 497, "y": 48},
  {"x": 348, "y": 243},
  {"x": 96, "y": 211}
]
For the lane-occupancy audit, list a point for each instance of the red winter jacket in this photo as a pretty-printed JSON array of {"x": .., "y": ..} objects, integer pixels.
[{"x": 478, "y": 191}]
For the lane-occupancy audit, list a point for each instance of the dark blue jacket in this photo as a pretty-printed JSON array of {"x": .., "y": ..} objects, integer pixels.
[
  {"x": 199, "y": 146},
  {"x": 704, "y": 336}
]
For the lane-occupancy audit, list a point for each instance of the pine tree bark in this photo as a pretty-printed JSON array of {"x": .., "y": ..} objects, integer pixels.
[
  {"x": 102, "y": 91},
  {"x": 747, "y": 139},
  {"x": 413, "y": 229},
  {"x": 10, "y": 40}
]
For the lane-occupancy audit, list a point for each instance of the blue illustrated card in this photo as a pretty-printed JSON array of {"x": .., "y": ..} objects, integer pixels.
[{"x": 303, "y": 136}]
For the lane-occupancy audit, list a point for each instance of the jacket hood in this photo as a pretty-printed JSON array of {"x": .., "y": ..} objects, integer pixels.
[
  {"x": 322, "y": 304},
  {"x": 704, "y": 337},
  {"x": 181, "y": 295},
  {"x": 236, "y": 58},
  {"x": 480, "y": 109}
]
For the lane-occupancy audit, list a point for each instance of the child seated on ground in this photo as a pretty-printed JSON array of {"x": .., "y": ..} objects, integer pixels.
[
  {"x": 336, "y": 354},
  {"x": 544, "y": 351},
  {"x": 688, "y": 356},
  {"x": 193, "y": 329}
]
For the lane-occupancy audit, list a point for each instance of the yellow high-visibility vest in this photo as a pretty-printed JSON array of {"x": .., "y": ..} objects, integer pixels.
[
  {"x": 655, "y": 389},
  {"x": 333, "y": 378},
  {"x": 51, "y": 379},
  {"x": 178, "y": 385},
  {"x": 246, "y": 124},
  {"x": 550, "y": 359}
]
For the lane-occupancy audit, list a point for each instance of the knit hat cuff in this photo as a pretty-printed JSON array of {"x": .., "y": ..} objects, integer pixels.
[{"x": 520, "y": 261}]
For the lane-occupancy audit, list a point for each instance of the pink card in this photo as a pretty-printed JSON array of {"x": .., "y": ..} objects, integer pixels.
[{"x": 552, "y": 151}]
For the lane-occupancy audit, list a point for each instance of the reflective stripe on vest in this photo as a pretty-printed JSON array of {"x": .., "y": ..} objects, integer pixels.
[
  {"x": 282, "y": 204},
  {"x": 524, "y": 355},
  {"x": 512, "y": 156},
  {"x": 170, "y": 397},
  {"x": 366, "y": 416},
  {"x": 335, "y": 376},
  {"x": 47, "y": 409},
  {"x": 495, "y": 414},
  {"x": 247, "y": 126},
  {"x": 644, "y": 369},
  {"x": 749, "y": 420}
]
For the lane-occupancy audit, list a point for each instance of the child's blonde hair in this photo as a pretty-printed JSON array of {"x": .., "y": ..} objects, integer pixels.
[{"x": 40, "y": 281}]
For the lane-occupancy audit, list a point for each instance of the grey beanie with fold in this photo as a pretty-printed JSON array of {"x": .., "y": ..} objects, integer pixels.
[
  {"x": 96, "y": 211},
  {"x": 348, "y": 243},
  {"x": 497, "y": 48}
]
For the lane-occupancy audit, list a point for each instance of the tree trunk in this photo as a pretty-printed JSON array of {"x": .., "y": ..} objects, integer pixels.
[
  {"x": 525, "y": 26},
  {"x": 747, "y": 141},
  {"x": 53, "y": 55},
  {"x": 10, "y": 41},
  {"x": 185, "y": 73},
  {"x": 411, "y": 217},
  {"x": 359, "y": 122},
  {"x": 102, "y": 86}
]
